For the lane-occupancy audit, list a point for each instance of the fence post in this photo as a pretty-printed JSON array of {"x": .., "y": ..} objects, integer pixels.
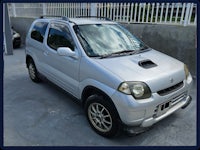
[
  {"x": 44, "y": 9},
  {"x": 187, "y": 14},
  {"x": 93, "y": 8},
  {"x": 14, "y": 9}
]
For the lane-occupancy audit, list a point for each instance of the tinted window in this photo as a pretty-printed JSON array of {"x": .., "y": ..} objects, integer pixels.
[
  {"x": 38, "y": 31},
  {"x": 59, "y": 36}
]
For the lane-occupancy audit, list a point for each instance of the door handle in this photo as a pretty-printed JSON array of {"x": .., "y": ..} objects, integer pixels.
[{"x": 46, "y": 53}]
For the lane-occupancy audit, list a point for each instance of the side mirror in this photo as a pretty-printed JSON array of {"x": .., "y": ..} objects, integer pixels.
[{"x": 66, "y": 51}]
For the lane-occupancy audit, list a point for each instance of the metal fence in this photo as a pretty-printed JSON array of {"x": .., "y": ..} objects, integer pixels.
[{"x": 158, "y": 13}]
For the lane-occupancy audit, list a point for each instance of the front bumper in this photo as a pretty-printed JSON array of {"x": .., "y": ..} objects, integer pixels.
[
  {"x": 183, "y": 103},
  {"x": 146, "y": 124},
  {"x": 144, "y": 113}
]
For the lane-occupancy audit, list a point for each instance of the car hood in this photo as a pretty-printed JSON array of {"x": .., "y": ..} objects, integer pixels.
[{"x": 158, "y": 70}]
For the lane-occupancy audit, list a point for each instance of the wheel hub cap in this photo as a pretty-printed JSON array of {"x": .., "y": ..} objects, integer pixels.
[{"x": 100, "y": 117}]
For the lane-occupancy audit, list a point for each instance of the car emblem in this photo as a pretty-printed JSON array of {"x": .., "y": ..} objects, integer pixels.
[{"x": 171, "y": 80}]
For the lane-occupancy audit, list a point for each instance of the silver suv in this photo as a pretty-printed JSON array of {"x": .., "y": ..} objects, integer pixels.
[{"x": 120, "y": 81}]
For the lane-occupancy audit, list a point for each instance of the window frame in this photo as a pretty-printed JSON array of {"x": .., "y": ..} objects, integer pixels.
[
  {"x": 42, "y": 35},
  {"x": 67, "y": 28}
]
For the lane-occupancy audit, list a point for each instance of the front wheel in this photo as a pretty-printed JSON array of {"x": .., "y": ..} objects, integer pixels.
[
  {"x": 33, "y": 73},
  {"x": 102, "y": 116}
]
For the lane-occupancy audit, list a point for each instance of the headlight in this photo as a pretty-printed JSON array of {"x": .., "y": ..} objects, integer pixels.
[
  {"x": 186, "y": 71},
  {"x": 139, "y": 90}
]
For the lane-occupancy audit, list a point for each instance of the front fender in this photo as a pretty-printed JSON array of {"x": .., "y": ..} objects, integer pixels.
[{"x": 91, "y": 82}]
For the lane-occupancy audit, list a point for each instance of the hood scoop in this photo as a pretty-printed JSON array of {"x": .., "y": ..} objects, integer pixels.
[{"x": 146, "y": 64}]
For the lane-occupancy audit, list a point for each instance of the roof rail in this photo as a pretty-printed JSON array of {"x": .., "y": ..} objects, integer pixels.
[
  {"x": 52, "y": 16},
  {"x": 98, "y": 17}
]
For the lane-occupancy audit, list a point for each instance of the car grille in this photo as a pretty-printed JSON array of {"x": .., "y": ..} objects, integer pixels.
[{"x": 170, "y": 89}]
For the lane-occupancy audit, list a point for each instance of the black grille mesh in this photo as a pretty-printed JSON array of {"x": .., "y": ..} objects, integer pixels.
[{"x": 170, "y": 89}]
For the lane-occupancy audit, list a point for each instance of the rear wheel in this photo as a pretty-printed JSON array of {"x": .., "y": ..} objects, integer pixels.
[
  {"x": 33, "y": 73},
  {"x": 102, "y": 116}
]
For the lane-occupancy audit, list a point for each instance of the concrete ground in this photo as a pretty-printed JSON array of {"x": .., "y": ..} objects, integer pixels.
[{"x": 44, "y": 115}]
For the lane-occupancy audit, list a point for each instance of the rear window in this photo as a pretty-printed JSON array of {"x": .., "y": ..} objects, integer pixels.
[{"x": 38, "y": 31}]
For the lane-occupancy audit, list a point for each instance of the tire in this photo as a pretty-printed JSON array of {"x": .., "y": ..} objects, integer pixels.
[
  {"x": 33, "y": 73},
  {"x": 102, "y": 116},
  {"x": 16, "y": 44}
]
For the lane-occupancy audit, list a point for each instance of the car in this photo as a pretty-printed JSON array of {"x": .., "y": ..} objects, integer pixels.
[
  {"x": 16, "y": 39},
  {"x": 123, "y": 84}
]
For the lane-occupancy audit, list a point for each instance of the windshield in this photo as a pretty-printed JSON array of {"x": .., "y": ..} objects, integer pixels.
[{"x": 106, "y": 39}]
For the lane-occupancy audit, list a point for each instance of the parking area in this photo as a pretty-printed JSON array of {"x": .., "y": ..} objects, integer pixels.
[{"x": 44, "y": 115}]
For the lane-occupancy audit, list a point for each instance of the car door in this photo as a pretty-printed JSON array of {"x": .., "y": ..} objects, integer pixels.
[{"x": 62, "y": 70}]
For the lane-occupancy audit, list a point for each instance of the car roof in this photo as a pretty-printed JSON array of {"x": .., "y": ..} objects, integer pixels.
[{"x": 79, "y": 21}]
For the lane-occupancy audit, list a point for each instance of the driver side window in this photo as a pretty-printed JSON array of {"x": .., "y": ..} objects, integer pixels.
[{"x": 59, "y": 36}]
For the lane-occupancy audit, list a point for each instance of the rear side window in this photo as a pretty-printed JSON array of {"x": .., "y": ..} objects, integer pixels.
[
  {"x": 38, "y": 31},
  {"x": 59, "y": 36}
]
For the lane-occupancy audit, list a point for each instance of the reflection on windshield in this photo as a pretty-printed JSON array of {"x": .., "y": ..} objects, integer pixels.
[{"x": 105, "y": 39}]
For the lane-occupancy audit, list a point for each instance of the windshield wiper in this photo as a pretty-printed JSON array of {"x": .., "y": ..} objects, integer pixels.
[
  {"x": 130, "y": 52},
  {"x": 144, "y": 49}
]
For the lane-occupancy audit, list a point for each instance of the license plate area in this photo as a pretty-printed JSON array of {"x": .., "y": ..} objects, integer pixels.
[{"x": 162, "y": 108}]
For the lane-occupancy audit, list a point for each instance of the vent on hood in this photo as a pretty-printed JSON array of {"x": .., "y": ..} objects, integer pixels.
[{"x": 147, "y": 64}]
